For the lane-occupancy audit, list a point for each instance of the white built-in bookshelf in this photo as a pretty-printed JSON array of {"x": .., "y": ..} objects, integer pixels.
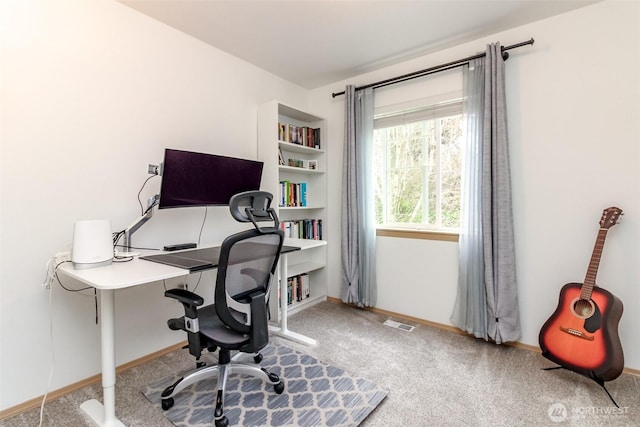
[{"x": 292, "y": 144}]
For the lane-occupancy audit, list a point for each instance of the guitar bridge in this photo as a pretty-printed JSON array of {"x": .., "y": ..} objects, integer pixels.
[{"x": 576, "y": 333}]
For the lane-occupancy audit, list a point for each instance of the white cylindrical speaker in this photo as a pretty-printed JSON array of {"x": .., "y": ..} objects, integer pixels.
[{"x": 92, "y": 244}]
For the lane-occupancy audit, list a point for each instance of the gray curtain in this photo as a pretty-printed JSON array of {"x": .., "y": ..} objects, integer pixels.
[
  {"x": 358, "y": 216},
  {"x": 487, "y": 303}
]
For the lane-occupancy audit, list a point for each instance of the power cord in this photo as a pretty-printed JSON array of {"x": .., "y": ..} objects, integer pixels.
[
  {"x": 55, "y": 273},
  {"x": 197, "y": 283},
  {"x": 116, "y": 258},
  {"x": 51, "y": 275},
  {"x": 204, "y": 220},
  {"x": 53, "y": 360},
  {"x": 116, "y": 237},
  {"x": 140, "y": 192}
]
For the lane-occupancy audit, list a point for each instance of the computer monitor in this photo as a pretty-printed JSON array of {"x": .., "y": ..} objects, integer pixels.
[{"x": 199, "y": 179}]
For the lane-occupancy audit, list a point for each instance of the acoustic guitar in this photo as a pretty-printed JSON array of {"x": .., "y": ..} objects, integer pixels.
[{"x": 582, "y": 334}]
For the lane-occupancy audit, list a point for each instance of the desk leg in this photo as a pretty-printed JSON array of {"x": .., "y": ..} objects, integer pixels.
[
  {"x": 105, "y": 415},
  {"x": 281, "y": 329}
]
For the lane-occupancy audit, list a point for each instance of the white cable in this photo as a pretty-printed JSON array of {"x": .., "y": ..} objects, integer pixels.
[
  {"x": 44, "y": 398},
  {"x": 48, "y": 279}
]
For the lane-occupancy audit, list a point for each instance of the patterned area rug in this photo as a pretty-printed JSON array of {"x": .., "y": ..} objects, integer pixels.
[{"x": 315, "y": 394}]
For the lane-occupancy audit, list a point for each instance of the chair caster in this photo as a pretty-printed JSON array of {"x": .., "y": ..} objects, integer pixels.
[
  {"x": 257, "y": 358},
  {"x": 167, "y": 403},
  {"x": 222, "y": 422},
  {"x": 279, "y": 388},
  {"x": 273, "y": 377}
]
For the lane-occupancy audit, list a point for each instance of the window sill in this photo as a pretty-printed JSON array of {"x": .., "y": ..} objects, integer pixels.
[{"x": 446, "y": 236}]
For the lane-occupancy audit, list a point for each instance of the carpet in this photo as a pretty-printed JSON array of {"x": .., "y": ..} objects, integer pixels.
[{"x": 315, "y": 394}]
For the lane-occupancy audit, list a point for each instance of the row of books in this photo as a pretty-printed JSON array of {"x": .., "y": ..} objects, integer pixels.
[
  {"x": 298, "y": 288},
  {"x": 308, "y": 228},
  {"x": 293, "y": 194},
  {"x": 300, "y": 135}
]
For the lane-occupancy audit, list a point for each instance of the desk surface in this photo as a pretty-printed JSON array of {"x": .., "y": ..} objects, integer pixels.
[
  {"x": 200, "y": 259},
  {"x": 121, "y": 275}
]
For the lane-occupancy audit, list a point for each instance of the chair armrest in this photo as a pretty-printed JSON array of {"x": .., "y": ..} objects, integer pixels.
[
  {"x": 185, "y": 297},
  {"x": 191, "y": 301},
  {"x": 189, "y": 323}
]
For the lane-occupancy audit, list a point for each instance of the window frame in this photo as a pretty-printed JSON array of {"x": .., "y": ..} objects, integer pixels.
[
  {"x": 424, "y": 234},
  {"x": 446, "y": 105}
]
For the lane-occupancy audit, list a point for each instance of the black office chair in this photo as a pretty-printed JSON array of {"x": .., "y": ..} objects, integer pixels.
[{"x": 238, "y": 318}]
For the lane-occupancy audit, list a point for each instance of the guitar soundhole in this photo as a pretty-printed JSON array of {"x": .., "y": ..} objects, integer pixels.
[{"x": 582, "y": 308}]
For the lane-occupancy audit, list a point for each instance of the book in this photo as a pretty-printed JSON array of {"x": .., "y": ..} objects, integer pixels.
[
  {"x": 303, "y": 194},
  {"x": 305, "y": 288},
  {"x": 295, "y": 134},
  {"x": 308, "y": 228},
  {"x": 283, "y": 132}
]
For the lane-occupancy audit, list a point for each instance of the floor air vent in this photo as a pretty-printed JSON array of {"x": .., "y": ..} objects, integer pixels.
[{"x": 398, "y": 325}]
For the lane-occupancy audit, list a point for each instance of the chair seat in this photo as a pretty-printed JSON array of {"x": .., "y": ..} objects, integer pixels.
[{"x": 217, "y": 333}]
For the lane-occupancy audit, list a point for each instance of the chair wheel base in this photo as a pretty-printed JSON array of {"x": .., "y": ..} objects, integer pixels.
[
  {"x": 222, "y": 422},
  {"x": 279, "y": 388}
]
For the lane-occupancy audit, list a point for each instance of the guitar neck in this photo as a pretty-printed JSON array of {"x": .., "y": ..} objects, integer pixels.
[{"x": 592, "y": 271}]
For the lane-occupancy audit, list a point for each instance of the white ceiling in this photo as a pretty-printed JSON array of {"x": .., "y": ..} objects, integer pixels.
[{"x": 316, "y": 42}]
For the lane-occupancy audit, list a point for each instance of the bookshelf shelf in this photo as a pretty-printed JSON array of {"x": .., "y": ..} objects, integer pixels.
[
  {"x": 304, "y": 267},
  {"x": 294, "y": 169},
  {"x": 300, "y": 208},
  {"x": 305, "y": 243},
  {"x": 306, "y": 303},
  {"x": 294, "y": 148},
  {"x": 292, "y": 144}
]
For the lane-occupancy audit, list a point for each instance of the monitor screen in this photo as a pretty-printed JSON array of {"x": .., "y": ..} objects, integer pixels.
[{"x": 198, "y": 179}]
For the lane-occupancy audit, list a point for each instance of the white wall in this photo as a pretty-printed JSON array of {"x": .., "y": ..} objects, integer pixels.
[
  {"x": 574, "y": 136},
  {"x": 92, "y": 92}
]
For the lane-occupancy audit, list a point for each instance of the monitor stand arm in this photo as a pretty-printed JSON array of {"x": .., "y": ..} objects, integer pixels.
[{"x": 128, "y": 232}]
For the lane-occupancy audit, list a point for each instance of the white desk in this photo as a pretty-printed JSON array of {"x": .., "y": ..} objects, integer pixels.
[
  {"x": 127, "y": 274},
  {"x": 281, "y": 329}
]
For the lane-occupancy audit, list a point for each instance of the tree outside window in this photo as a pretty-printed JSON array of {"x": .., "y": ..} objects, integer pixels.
[{"x": 417, "y": 169}]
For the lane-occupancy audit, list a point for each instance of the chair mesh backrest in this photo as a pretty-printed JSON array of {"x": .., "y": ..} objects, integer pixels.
[{"x": 248, "y": 261}]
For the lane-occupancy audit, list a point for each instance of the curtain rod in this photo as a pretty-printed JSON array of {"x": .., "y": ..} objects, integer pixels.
[{"x": 436, "y": 69}]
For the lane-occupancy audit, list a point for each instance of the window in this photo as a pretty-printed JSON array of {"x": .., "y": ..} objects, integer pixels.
[{"x": 417, "y": 167}]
